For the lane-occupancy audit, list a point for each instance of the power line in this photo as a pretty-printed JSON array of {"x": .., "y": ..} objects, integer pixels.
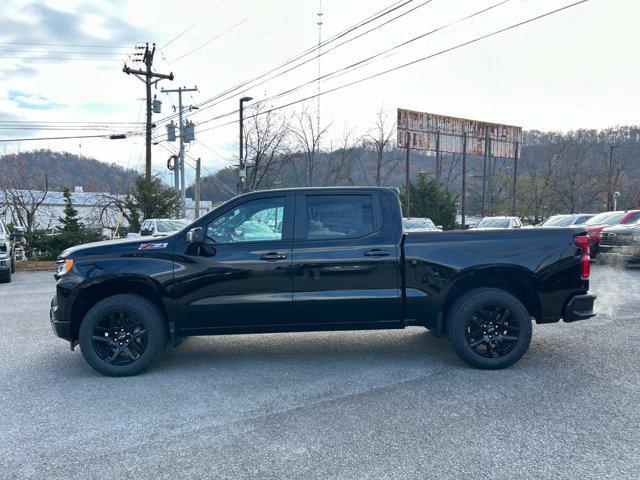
[
  {"x": 413, "y": 62},
  {"x": 360, "y": 63},
  {"x": 69, "y": 122},
  {"x": 61, "y": 52},
  {"x": 63, "y": 138},
  {"x": 65, "y": 59},
  {"x": 212, "y": 39},
  {"x": 64, "y": 45},
  {"x": 193, "y": 24},
  {"x": 384, "y": 52},
  {"x": 320, "y": 54},
  {"x": 379, "y": 14}
]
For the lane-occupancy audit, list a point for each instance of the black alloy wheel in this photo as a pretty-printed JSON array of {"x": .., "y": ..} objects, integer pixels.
[
  {"x": 120, "y": 338},
  {"x": 492, "y": 331},
  {"x": 489, "y": 328},
  {"x": 122, "y": 335}
]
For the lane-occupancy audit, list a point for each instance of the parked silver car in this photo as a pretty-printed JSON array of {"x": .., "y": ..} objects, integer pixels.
[
  {"x": 566, "y": 220},
  {"x": 7, "y": 252}
]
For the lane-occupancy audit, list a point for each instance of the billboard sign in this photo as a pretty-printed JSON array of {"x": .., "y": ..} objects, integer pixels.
[{"x": 428, "y": 131}]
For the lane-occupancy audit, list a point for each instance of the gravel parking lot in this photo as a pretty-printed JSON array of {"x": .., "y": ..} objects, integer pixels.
[{"x": 394, "y": 404}]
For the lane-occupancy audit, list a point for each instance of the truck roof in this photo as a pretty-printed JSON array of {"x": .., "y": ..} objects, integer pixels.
[{"x": 324, "y": 189}]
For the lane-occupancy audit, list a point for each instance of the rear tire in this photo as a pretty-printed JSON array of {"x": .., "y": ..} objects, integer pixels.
[
  {"x": 489, "y": 328},
  {"x": 122, "y": 335}
]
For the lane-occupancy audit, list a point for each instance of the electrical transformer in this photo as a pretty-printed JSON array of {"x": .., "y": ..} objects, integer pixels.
[
  {"x": 157, "y": 106},
  {"x": 171, "y": 132},
  {"x": 189, "y": 132}
]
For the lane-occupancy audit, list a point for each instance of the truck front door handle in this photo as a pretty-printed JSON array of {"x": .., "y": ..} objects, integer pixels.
[
  {"x": 376, "y": 252},
  {"x": 273, "y": 256}
]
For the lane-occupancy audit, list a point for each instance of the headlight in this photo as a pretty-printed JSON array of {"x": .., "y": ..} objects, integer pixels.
[
  {"x": 636, "y": 238},
  {"x": 63, "y": 266}
]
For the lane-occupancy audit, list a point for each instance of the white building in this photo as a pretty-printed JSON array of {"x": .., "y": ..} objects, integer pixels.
[{"x": 95, "y": 209}]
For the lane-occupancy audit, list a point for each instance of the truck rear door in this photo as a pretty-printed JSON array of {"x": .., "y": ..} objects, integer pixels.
[{"x": 345, "y": 260}]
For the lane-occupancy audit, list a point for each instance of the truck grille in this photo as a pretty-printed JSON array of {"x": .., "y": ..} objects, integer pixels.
[{"x": 616, "y": 239}]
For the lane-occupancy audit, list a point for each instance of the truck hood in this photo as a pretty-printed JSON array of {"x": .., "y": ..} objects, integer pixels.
[
  {"x": 630, "y": 228},
  {"x": 115, "y": 245}
]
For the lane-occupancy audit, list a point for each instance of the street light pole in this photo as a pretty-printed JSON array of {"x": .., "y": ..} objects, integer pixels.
[
  {"x": 610, "y": 182},
  {"x": 242, "y": 173}
]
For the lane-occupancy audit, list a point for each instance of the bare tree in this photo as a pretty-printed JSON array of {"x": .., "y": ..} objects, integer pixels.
[
  {"x": 342, "y": 158},
  {"x": 24, "y": 193},
  {"x": 379, "y": 141},
  {"x": 307, "y": 136},
  {"x": 266, "y": 138}
]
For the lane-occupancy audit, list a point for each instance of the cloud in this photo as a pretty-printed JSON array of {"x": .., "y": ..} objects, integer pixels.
[
  {"x": 46, "y": 24},
  {"x": 33, "y": 101},
  {"x": 12, "y": 72}
]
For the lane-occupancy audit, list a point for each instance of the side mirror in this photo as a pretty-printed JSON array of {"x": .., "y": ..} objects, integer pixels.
[
  {"x": 195, "y": 236},
  {"x": 145, "y": 232},
  {"x": 439, "y": 227}
]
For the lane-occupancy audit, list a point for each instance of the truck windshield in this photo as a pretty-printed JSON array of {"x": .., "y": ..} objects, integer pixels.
[
  {"x": 494, "y": 223},
  {"x": 607, "y": 218},
  {"x": 171, "y": 225},
  {"x": 558, "y": 221}
]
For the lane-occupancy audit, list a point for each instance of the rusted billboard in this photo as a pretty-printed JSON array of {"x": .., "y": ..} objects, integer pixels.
[{"x": 428, "y": 131}]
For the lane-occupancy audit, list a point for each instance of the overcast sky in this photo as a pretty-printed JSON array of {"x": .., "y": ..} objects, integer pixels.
[{"x": 576, "y": 69}]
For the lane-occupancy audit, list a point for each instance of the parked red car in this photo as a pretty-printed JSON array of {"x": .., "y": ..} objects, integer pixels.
[{"x": 605, "y": 219}]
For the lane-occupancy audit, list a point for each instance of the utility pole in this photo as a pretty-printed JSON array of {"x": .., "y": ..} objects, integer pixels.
[
  {"x": 319, "y": 75},
  {"x": 242, "y": 173},
  {"x": 407, "y": 182},
  {"x": 149, "y": 75},
  {"x": 438, "y": 159},
  {"x": 178, "y": 171},
  {"x": 515, "y": 179},
  {"x": 463, "y": 198},
  {"x": 196, "y": 189}
]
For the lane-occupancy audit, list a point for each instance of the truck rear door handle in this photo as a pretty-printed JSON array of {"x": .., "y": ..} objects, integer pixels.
[
  {"x": 376, "y": 252},
  {"x": 273, "y": 256}
]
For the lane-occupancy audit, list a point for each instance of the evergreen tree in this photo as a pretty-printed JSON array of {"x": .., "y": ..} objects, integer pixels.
[
  {"x": 428, "y": 200},
  {"x": 70, "y": 221},
  {"x": 149, "y": 199}
]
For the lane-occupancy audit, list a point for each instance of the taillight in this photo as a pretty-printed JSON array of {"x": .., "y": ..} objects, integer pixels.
[{"x": 583, "y": 241}]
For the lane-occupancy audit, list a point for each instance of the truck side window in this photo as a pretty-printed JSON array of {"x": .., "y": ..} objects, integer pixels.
[
  {"x": 258, "y": 220},
  {"x": 339, "y": 216}
]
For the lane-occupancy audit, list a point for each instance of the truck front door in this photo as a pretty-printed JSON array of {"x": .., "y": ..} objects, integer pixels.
[{"x": 241, "y": 275}]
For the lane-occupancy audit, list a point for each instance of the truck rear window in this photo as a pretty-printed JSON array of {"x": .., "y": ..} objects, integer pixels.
[{"x": 339, "y": 216}]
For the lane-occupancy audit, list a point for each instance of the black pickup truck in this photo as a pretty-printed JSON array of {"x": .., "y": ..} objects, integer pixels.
[{"x": 318, "y": 259}]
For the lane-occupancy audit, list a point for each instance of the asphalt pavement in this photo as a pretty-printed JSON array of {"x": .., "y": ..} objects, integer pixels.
[{"x": 375, "y": 404}]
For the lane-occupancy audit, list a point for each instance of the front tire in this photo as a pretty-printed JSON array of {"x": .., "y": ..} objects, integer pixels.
[
  {"x": 489, "y": 328},
  {"x": 122, "y": 335}
]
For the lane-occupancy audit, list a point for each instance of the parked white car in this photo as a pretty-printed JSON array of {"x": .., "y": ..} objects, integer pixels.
[
  {"x": 415, "y": 224},
  {"x": 159, "y": 227},
  {"x": 498, "y": 222}
]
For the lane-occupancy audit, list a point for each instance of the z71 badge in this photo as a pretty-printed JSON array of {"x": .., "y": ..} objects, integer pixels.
[{"x": 152, "y": 246}]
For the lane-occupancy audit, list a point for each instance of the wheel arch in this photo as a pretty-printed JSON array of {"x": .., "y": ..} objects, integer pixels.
[
  {"x": 519, "y": 282},
  {"x": 97, "y": 291}
]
